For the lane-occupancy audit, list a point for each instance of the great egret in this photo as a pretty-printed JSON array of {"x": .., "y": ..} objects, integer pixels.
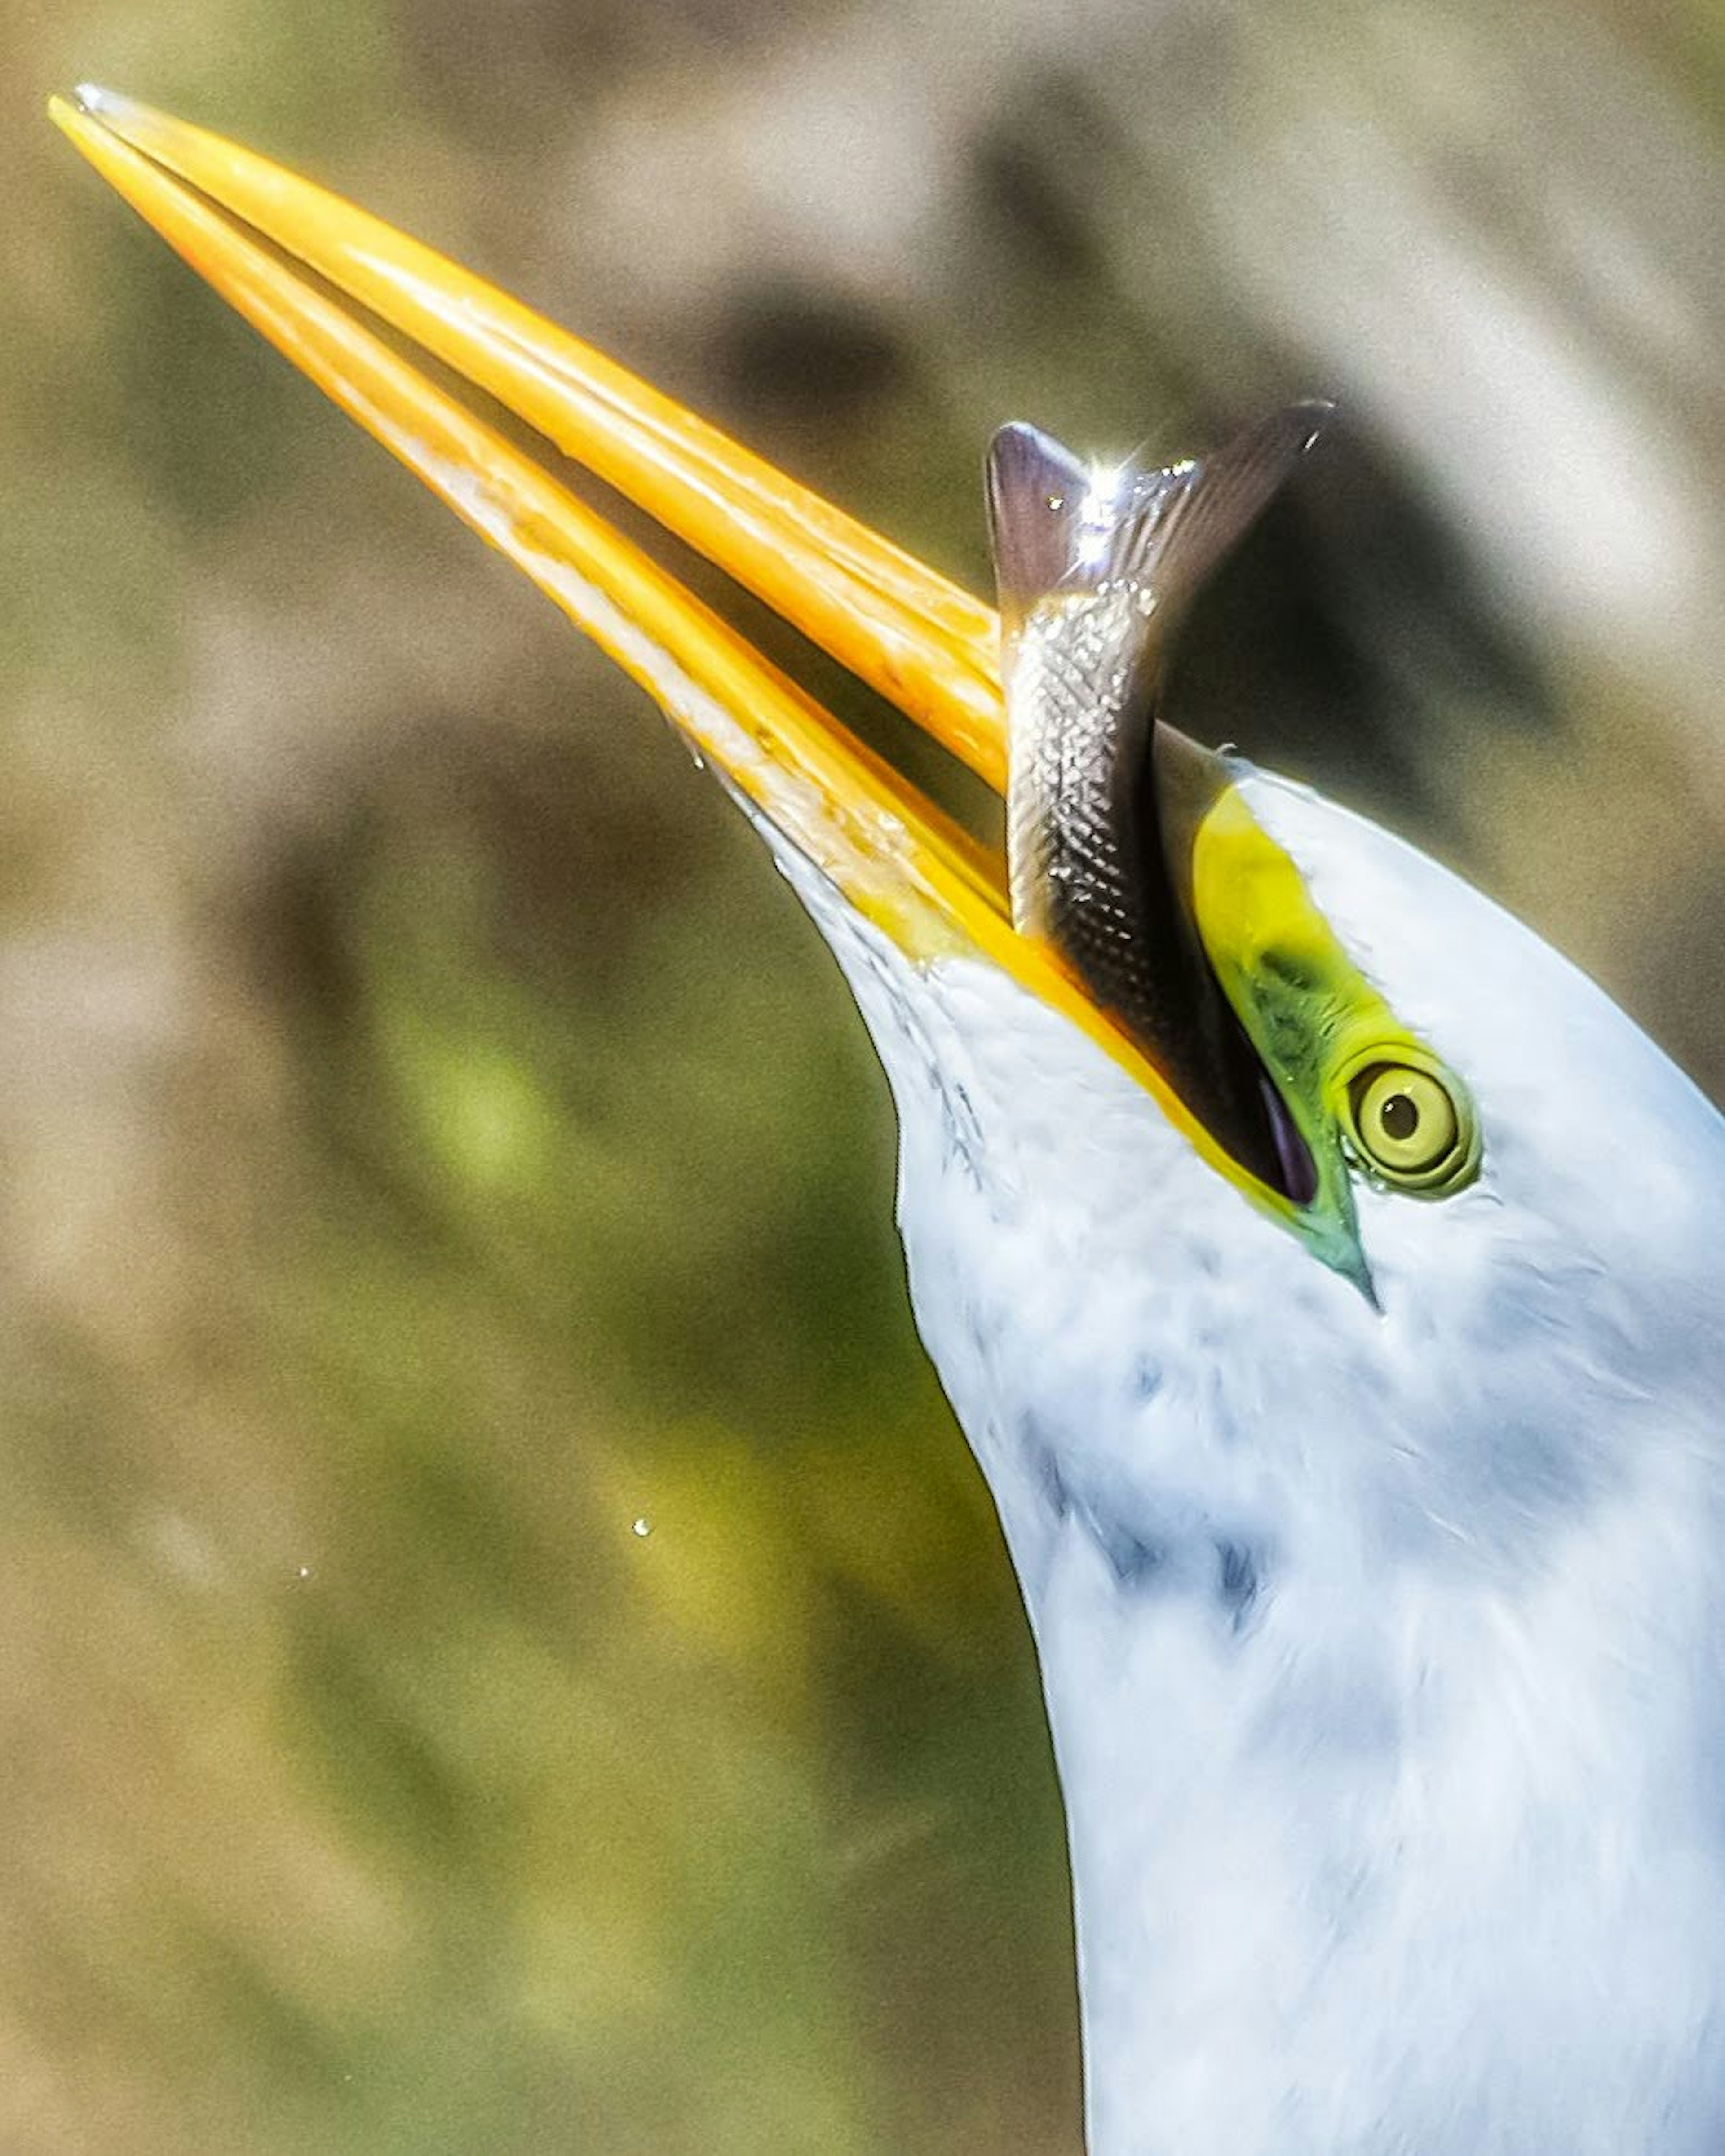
[{"x": 1327, "y": 1278}]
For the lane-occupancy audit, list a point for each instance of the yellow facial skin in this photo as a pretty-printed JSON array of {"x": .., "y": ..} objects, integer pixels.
[
  {"x": 1364, "y": 1091},
  {"x": 314, "y": 275}
]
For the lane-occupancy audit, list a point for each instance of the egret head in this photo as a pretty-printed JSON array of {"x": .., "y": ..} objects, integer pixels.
[
  {"x": 1400, "y": 1285},
  {"x": 1127, "y": 1327}
]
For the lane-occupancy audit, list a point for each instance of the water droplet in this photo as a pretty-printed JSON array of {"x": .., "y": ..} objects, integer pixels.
[{"x": 641, "y": 1528}]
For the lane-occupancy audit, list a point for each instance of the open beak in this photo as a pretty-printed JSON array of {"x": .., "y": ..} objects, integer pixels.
[{"x": 341, "y": 294}]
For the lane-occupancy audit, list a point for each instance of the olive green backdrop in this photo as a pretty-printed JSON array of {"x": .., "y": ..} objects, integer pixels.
[{"x": 501, "y": 1647}]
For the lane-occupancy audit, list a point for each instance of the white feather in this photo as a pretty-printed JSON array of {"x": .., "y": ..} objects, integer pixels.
[{"x": 1381, "y": 1648}]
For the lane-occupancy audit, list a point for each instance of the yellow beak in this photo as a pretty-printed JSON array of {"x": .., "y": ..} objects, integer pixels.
[{"x": 314, "y": 274}]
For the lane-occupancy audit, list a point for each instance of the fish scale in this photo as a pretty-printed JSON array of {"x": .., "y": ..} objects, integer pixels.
[{"x": 1078, "y": 738}]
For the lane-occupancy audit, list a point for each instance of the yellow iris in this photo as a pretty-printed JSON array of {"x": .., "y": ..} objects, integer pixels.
[{"x": 1405, "y": 1123}]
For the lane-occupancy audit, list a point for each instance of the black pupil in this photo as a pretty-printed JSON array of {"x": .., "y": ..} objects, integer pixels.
[{"x": 1399, "y": 1118}]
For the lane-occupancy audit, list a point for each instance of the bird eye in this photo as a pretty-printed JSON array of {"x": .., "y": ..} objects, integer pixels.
[{"x": 1410, "y": 1127}]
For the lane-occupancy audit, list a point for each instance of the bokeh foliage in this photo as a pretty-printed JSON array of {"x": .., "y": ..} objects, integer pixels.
[{"x": 433, "y": 1143}]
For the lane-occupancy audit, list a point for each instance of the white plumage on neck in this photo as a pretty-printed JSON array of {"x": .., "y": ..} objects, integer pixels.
[{"x": 1382, "y": 1647}]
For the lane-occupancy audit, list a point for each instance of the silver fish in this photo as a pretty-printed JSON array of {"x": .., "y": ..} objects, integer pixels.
[{"x": 1095, "y": 569}]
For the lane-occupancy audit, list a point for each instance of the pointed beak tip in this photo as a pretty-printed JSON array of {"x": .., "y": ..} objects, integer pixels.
[
  {"x": 87, "y": 105},
  {"x": 89, "y": 101},
  {"x": 75, "y": 111}
]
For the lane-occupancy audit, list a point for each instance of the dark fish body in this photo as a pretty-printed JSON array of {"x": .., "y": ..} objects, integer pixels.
[
  {"x": 1094, "y": 571},
  {"x": 1086, "y": 870}
]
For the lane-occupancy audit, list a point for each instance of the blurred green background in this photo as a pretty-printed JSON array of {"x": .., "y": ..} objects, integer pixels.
[{"x": 432, "y": 1147}]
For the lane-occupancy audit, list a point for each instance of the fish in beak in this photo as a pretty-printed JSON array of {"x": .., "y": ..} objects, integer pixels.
[{"x": 1099, "y": 917}]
